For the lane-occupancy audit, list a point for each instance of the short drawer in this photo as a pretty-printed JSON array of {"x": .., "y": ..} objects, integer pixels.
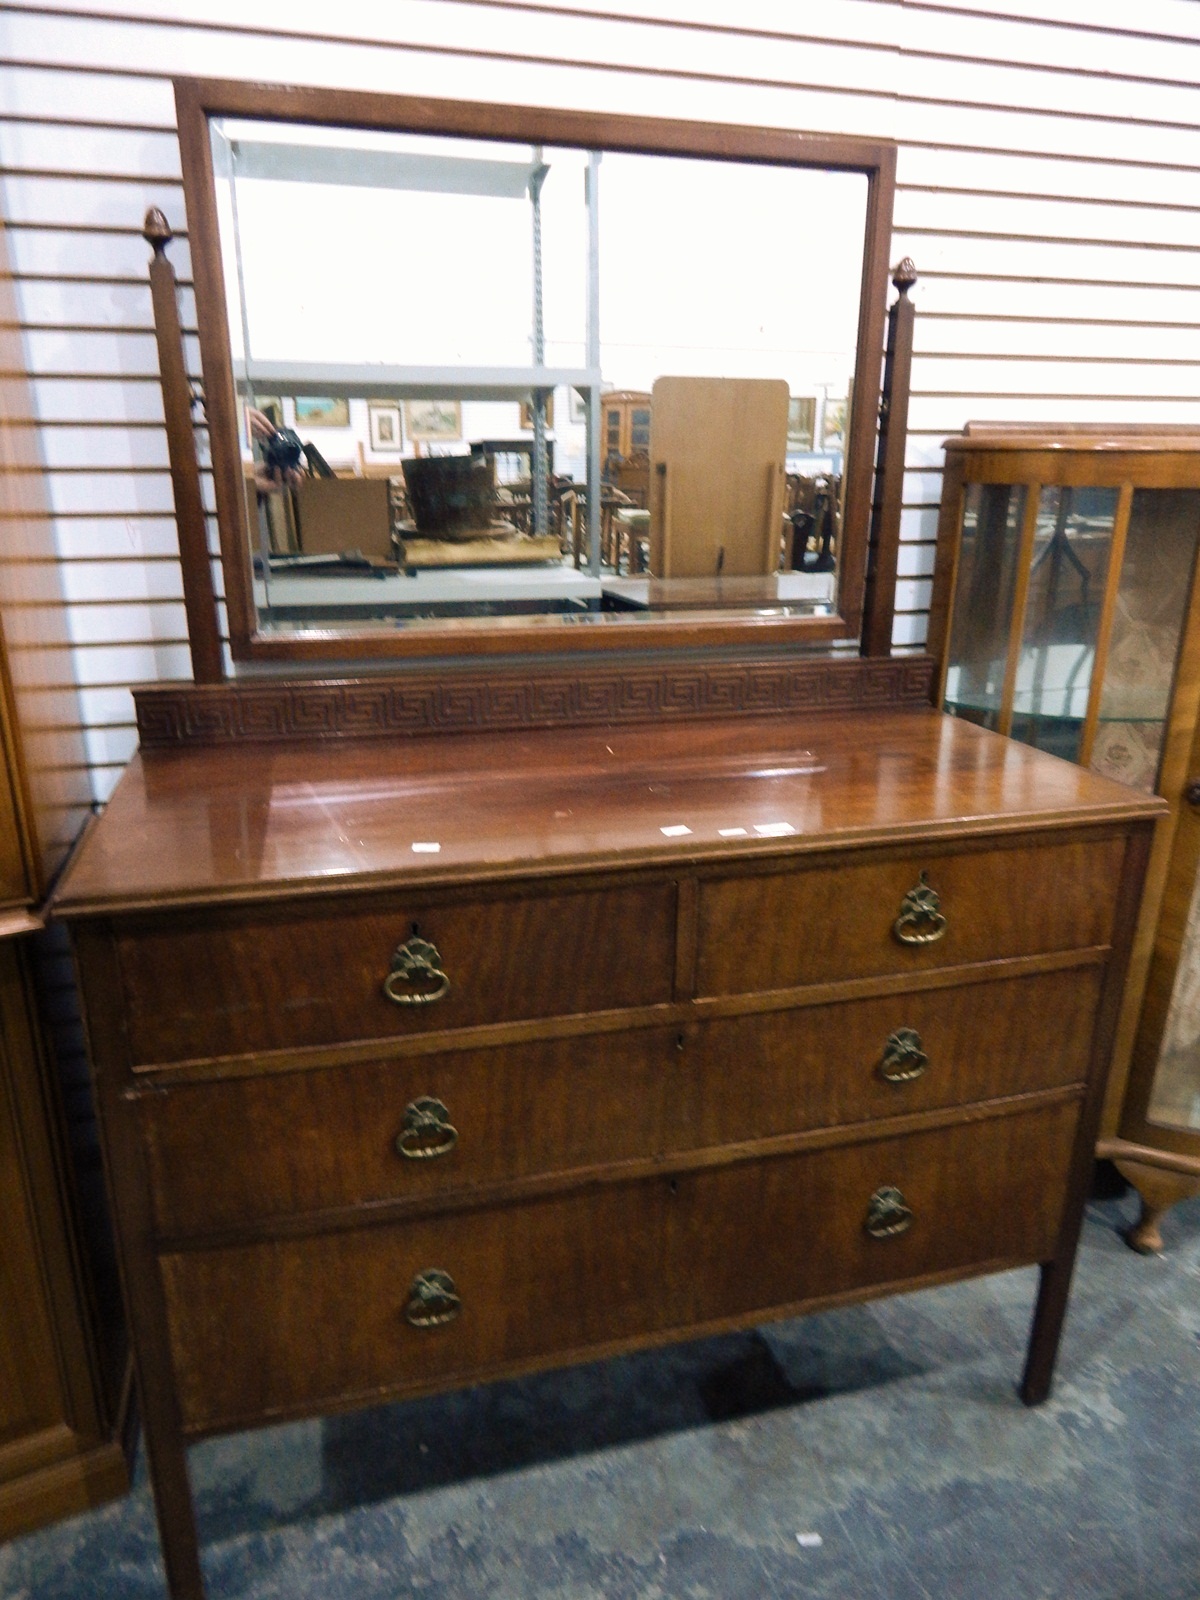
[
  {"x": 750, "y": 1077},
  {"x": 288, "y": 1326},
  {"x": 824, "y": 923},
  {"x": 771, "y": 1234},
  {"x": 229, "y": 1153},
  {"x": 228, "y": 983},
  {"x": 291, "y": 1325}
]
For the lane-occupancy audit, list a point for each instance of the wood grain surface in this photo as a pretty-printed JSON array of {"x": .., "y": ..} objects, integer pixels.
[
  {"x": 196, "y": 827},
  {"x": 673, "y": 973},
  {"x": 283, "y": 1327},
  {"x": 306, "y": 1142}
]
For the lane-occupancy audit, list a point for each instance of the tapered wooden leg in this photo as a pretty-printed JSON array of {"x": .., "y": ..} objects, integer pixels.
[
  {"x": 1055, "y": 1284},
  {"x": 173, "y": 1508},
  {"x": 141, "y": 1281},
  {"x": 1158, "y": 1189},
  {"x": 1054, "y": 1289}
]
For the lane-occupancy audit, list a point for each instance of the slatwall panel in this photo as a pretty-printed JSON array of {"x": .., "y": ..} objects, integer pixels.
[{"x": 1048, "y": 193}]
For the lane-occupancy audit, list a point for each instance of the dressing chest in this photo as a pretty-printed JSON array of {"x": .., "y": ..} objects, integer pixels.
[
  {"x": 594, "y": 979},
  {"x": 426, "y": 1060}
]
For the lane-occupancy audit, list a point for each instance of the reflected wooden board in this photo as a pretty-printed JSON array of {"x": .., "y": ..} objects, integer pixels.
[
  {"x": 717, "y": 450},
  {"x": 399, "y": 593},
  {"x": 812, "y": 590},
  {"x": 336, "y": 514},
  {"x": 515, "y": 549}
]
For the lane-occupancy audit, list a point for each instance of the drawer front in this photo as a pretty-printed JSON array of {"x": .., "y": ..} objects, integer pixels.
[
  {"x": 822, "y": 924},
  {"x": 223, "y": 1154},
  {"x": 229, "y": 983},
  {"x": 268, "y": 1328},
  {"x": 291, "y": 1325},
  {"x": 793, "y": 1228},
  {"x": 750, "y": 1077}
]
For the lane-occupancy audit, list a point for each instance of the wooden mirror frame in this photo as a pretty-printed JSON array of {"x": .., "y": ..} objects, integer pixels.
[{"x": 199, "y": 99}]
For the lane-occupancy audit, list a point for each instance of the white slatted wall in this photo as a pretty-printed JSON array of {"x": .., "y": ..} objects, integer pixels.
[{"x": 1048, "y": 193}]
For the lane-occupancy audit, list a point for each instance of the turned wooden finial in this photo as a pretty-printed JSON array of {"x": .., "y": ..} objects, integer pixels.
[
  {"x": 904, "y": 275},
  {"x": 156, "y": 230}
]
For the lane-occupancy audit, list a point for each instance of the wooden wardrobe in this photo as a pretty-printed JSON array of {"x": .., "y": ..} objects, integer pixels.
[{"x": 63, "y": 1401}]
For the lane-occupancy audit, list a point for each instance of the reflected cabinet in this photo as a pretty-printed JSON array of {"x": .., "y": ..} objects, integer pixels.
[{"x": 1066, "y": 615}]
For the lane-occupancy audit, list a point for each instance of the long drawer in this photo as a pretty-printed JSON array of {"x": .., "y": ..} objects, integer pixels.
[
  {"x": 286, "y": 1326},
  {"x": 234, "y": 982},
  {"x": 820, "y": 924},
  {"x": 228, "y": 1153}
]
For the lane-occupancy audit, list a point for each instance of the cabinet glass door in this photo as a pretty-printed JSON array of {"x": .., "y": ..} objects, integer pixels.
[
  {"x": 1068, "y": 566},
  {"x": 1147, "y": 623},
  {"x": 987, "y": 570},
  {"x": 1066, "y": 622},
  {"x": 1175, "y": 1096}
]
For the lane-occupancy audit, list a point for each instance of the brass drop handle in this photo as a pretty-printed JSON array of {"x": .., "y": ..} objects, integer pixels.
[
  {"x": 432, "y": 1299},
  {"x": 427, "y": 1131},
  {"x": 920, "y": 920},
  {"x": 888, "y": 1213},
  {"x": 416, "y": 961},
  {"x": 903, "y": 1057}
]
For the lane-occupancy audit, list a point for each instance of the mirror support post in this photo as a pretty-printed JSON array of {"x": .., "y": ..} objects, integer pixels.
[
  {"x": 594, "y": 419},
  {"x": 883, "y": 550},
  {"x": 200, "y": 602},
  {"x": 541, "y": 516}
]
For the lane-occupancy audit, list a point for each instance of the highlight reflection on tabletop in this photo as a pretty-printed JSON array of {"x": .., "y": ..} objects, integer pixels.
[{"x": 199, "y": 823}]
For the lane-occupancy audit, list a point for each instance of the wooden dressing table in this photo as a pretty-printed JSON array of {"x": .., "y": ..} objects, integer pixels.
[
  {"x": 422, "y": 1061},
  {"x": 600, "y": 986}
]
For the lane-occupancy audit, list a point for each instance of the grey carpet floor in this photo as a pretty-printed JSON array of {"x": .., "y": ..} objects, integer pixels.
[{"x": 873, "y": 1453}]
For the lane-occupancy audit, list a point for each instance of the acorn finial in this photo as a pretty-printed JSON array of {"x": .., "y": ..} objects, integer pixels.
[
  {"x": 904, "y": 275},
  {"x": 156, "y": 230}
]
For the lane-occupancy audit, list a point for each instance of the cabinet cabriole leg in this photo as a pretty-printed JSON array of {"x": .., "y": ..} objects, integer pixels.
[{"x": 1158, "y": 1189}]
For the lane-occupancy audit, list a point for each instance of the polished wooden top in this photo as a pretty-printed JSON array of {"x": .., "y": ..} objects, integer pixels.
[
  {"x": 200, "y": 826},
  {"x": 1080, "y": 438}
]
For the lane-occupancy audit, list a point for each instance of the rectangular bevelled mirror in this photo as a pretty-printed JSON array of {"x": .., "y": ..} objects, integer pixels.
[{"x": 484, "y": 378}]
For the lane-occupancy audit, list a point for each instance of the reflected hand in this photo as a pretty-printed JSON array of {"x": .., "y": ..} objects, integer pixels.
[
  {"x": 269, "y": 477},
  {"x": 261, "y": 426}
]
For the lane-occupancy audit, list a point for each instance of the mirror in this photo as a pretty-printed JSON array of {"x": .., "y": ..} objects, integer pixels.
[{"x": 480, "y": 378}]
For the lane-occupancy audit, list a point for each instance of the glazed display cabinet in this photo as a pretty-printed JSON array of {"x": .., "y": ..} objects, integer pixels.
[{"x": 1065, "y": 614}]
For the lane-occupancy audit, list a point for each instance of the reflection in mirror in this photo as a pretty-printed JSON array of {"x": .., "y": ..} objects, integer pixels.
[{"x": 486, "y": 379}]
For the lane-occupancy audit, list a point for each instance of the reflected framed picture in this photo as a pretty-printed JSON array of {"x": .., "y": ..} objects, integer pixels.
[
  {"x": 433, "y": 419},
  {"x": 383, "y": 420},
  {"x": 527, "y": 414},
  {"x": 833, "y": 424},
  {"x": 318, "y": 411},
  {"x": 802, "y": 421}
]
